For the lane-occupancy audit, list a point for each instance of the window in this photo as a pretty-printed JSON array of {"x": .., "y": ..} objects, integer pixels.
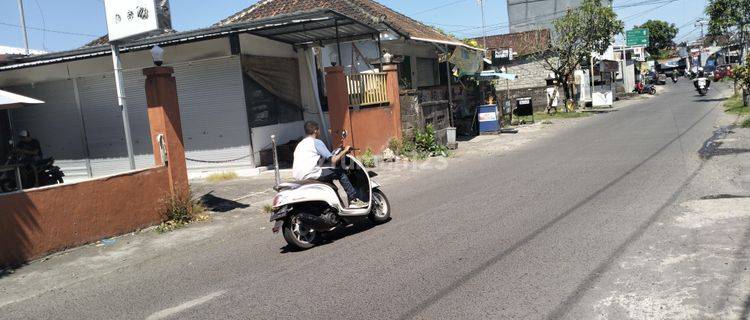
[
  {"x": 265, "y": 109},
  {"x": 404, "y": 73},
  {"x": 427, "y": 72}
]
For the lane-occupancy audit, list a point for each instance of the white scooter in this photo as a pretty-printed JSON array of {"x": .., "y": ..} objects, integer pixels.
[{"x": 304, "y": 210}]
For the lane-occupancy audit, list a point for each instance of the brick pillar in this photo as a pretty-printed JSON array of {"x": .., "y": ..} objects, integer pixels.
[
  {"x": 164, "y": 119},
  {"x": 394, "y": 97},
  {"x": 338, "y": 106}
]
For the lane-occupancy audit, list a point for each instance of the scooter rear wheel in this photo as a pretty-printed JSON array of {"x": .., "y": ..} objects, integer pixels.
[{"x": 297, "y": 235}]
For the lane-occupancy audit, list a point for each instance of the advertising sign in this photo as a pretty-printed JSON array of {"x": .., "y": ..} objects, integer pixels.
[
  {"x": 128, "y": 18},
  {"x": 637, "y": 37}
]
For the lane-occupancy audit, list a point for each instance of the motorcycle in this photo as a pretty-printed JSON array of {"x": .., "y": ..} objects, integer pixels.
[
  {"x": 47, "y": 173},
  {"x": 303, "y": 211},
  {"x": 701, "y": 85},
  {"x": 641, "y": 88}
]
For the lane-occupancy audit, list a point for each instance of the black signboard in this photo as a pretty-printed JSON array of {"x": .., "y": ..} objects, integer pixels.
[{"x": 524, "y": 107}]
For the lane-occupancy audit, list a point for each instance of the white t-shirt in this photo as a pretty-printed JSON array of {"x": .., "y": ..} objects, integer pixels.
[{"x": 308, "y": 158}]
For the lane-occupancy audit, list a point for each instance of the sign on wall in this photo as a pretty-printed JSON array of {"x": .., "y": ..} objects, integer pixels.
[{"x": 128, "y": 18}]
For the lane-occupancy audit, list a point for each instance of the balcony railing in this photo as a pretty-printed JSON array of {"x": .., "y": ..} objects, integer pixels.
[{"x": 366, "y": 89}]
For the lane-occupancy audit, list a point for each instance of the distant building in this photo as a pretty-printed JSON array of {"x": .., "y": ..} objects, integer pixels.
[{"x": 526, "y": 15}]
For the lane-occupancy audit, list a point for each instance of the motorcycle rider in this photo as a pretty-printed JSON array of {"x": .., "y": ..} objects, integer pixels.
[
  {"x": 701, "y": 76},
  {"x": 29, "y": 152},
  {"x": 310, "y": 155}
]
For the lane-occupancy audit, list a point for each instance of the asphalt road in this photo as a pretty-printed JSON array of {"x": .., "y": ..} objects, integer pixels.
[{"x": 522, "y": 235}]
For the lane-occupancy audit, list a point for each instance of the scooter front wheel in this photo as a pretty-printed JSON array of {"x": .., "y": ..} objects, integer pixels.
[
  {"x": 381, "y": 208},
  {"x": 297, "y": 235}
]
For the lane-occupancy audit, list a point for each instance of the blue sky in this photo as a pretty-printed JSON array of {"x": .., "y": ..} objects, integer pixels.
[{"x": 71, "y": 23}]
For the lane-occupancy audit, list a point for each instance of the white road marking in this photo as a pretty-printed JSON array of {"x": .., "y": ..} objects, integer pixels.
[{"x": 187, "y": 305}]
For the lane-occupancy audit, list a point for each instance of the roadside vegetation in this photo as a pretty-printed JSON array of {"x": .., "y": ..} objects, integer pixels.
[
  {"x": 368, "y": 158},
  {"x": 180, "y": 208},
  {"x": 423, "y": 145},
  {"x": 543, "y": 116},
  {"x": 222, "y": 176}
]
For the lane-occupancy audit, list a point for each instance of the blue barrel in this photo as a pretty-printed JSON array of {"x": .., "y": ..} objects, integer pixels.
[{"x": 488, "y": 120}]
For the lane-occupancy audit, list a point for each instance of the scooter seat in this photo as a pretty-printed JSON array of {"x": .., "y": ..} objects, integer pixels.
[{"x": 296, "y": 184}]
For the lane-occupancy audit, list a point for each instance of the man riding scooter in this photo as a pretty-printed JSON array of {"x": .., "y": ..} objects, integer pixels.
[
  {"x": 311, "y": 154},
  {"x": 701, "y": 83}
]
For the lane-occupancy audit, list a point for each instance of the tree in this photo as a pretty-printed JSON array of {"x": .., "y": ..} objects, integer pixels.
[
  {"x": 580, "y": 32},
  {"x": 730, "y": 17},
  {"x": 661, "y": 35}
]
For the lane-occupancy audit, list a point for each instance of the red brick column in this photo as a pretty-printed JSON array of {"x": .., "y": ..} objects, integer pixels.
[
  {"x": 338, "y": 106},
  {"x": 164, "y": 119},
  {"x": 394, "y": 97}
]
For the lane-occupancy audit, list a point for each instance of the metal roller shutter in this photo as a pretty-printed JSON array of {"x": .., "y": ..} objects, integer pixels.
[{"x": 214, "y": 116}]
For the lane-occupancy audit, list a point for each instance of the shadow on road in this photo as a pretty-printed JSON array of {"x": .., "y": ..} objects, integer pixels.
[
  {"x": 709, "y": 99},
  {"x": 216, "y": 204},
  {"x": 329, "y": 238}
]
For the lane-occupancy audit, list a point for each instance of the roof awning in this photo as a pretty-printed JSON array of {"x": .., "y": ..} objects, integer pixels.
[
  {"x": 321, "y": 26},
  {"x": 9, "y": 100},
  {"x": 492, "y": 75}
]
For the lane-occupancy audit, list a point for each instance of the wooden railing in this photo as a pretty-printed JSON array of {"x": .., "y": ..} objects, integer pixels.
[{"x": 367, "y": 89}]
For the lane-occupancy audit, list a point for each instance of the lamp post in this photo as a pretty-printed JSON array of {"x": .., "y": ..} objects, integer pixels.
[{"x": 157, "y": 54}]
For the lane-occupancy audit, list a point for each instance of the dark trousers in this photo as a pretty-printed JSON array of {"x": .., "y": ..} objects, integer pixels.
[{"x": 329, "y": 175}]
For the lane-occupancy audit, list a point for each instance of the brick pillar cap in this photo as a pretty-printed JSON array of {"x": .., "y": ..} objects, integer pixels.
[
  {"x": 390, "y": 67},
  {"x": 334, "y": 69},
  {"x": 156, "y": 71}
]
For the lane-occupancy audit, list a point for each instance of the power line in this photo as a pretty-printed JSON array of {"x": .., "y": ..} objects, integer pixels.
[
  {"x": 52, "y": 31},
  {"x": 438, "y": 7}
]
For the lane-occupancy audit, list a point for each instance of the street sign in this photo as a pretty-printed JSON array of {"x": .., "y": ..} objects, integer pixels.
[
  {"x": 127, "y": 18},
  {"x": 637, "y": 37}
]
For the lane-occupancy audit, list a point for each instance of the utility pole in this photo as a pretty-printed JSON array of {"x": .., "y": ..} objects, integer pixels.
[
  {"x": 23, "y": 26},
  {"x": 484, "y": 31},
  {"x": 700, "y": 23}
]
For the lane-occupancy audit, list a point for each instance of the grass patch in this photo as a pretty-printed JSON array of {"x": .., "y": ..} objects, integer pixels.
[
  {"x": 734, "y": 105},
  {"x": 180, "y": 208},
  {"x": 368, "y": 158},
  {"x": 267, "y": 208},
  {"x": 221, "y": 176},
  {"x": 746, "y": 123}
]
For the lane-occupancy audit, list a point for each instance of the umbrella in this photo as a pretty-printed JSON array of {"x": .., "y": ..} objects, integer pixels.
[{"x": 9, "y": 100}]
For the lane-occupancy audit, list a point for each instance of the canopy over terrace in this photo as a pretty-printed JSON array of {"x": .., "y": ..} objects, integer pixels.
[{"x": 316, "y": 27}]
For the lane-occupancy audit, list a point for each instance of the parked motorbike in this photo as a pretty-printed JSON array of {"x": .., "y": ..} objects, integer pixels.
[
  {"x": 303, "y": 211},
  {"x": 702, "y": 85},
  {"x": 641, "y": 88},
  {"x": 47, "y": 173}
]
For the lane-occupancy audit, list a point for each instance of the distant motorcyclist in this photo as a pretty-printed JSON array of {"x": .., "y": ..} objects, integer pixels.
[{"x": 701, "y": 77}]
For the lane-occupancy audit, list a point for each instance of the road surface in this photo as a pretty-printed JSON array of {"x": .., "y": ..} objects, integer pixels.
[{"x": 521, "y": 235}]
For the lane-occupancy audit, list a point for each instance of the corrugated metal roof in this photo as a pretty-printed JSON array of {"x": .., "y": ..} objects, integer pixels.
[{"x": 316, "y": 26}]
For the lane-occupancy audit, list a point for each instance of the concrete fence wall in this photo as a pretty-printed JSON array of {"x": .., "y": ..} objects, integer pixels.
[{"x": 44, "y": 220}]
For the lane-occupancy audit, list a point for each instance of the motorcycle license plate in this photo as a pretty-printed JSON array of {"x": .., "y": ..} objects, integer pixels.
[{"x": 702, "y": 83}]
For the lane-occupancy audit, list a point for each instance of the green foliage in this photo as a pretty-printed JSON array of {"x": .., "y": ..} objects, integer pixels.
[
  {"x": 471, "y": 42},
  {"x": 741, "y": 74},
  {"x": 368, "y": 158},
  {"x": 425, "y": 144},
  {"x": 728, "y": 16},
  {"x": 746, "y": 123},
  {"x": 585, "y": 29},
  {"x": 661, "y": 36},
  {"x": 180, "y": 209}
]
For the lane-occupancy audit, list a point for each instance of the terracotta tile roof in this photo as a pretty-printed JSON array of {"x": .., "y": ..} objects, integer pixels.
[
  {"x": 524, "y": 43},
  {"x": 365, "y": 11}
]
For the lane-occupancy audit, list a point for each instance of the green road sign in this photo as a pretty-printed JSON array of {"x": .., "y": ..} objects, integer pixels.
[{"x": 637, "y": 37}]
